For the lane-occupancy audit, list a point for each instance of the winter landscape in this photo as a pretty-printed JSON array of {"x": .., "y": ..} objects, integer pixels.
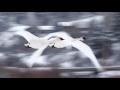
[{"x": 101, "y": 30}]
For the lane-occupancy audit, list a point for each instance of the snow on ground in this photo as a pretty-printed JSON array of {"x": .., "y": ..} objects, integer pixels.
[
  {"x": 2, "y": 56},
  {"x": 108, "y": 74},
  {"x": 67, "y": 59},
  {"x": 46, "y": 27},
  {"x": 65, "y": 23},
  {"x": 66, "y": 64},
  {"x": 83, "y": 23},
  {"x": 6, "y": 39},
  {"x": 40, "y": 61},
  {"x": 116, "y": 46},
  {"x": 17, "y": 28}
]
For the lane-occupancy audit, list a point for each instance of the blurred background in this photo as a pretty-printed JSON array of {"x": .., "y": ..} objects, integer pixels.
[{"x": 100, "y": 28}]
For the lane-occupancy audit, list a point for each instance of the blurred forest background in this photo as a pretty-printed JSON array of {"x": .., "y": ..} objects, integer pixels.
[{"x": 100, "y": 28}]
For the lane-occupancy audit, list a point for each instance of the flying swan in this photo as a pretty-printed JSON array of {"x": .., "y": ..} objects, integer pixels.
[
  {"x": 61, "y": 40},
  {"x": 77, "y": 43},
  {"x": 39, "y": 43}
]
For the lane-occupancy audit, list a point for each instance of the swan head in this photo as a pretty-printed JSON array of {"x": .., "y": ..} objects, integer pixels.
[{"x": 82, "y": 38}]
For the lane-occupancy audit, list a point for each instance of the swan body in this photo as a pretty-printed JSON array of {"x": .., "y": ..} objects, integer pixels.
[
  {"x": 39, "y": 43},
  {"x": 78, "y": 44},
  {"x": 34, "y": 41}
]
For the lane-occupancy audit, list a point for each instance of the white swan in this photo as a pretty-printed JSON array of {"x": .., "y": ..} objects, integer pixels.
[
  {"x": 34, "y": 41},
  {"x": 76, "y": 43},
  {"x": 39, "y": 43}
]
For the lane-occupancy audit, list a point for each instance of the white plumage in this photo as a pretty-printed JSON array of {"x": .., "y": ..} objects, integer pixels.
[
  {"x": 66, "y": 41},
  {"x": 39, "y": 43},
  {"x": 76, "y": 43}
]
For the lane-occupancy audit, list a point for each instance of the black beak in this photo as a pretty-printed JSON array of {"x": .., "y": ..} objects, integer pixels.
[
  {"x": 53, "y": 46},
  {"x": 84, "y": 38},
  {"x": 61, "y": 38}
]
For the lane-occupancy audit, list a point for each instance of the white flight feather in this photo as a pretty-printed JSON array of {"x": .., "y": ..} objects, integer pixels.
[
  {"x": 36, "y": 55},
  {"x": 27, "y": 35},
  {"x": 86, "y": 50}
]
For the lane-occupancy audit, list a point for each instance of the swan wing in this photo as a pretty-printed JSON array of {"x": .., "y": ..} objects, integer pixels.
[
  {"x": 67, "y": 38},
  {"x": 86, "y": 50},
  {"x": 27, "y": 35},
  {"x": 36, "y": 55},
  {"x": 61, "y": 34}
]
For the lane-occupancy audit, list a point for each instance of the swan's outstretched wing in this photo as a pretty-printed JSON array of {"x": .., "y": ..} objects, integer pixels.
[
  {"x": 27, "y": 35},
  {"x": 62, "y": 35},
  {"x": 35, "y": 56},
  {"x": 85, "y": 49}
]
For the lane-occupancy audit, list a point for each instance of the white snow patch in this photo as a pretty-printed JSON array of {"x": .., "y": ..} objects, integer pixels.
[
  {"x": 42, "y": 60},
  {"x": 84, "y": 32},
  {"x": 2, "y": 56},
  {"x": 46, "y": 27},
  {"x": 81, "y": 55},
  {"x": 21, "y": 55},
  {"x": 6, "y": 39},
  {"x": 64, "y": 74},
  {"x": 24, "y": 58},
  {"x": 72, "y": 53},
  {"x": 83, "y": 23},
  {"x": 82, "y": 73},
  {"x": 109, "y": 74},
  {"x": 17, "y": 28},
  {"x": 116, "y": 46},
  {"x": 65, "y": 23},
  {"x": 66, "y": 64}
]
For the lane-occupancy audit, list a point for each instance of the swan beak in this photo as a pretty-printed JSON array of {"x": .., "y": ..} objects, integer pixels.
[
  {"x": 84, "y": 38},
  {"x": 61, "y": 38}
]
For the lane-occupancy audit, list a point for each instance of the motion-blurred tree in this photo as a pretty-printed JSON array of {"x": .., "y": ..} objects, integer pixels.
[{"x": 117, "y": 25}]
